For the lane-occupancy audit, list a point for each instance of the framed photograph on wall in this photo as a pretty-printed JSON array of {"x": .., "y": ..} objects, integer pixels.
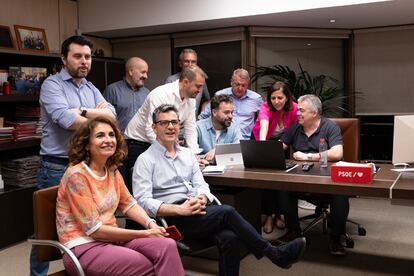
[
  {"x": 31, "y": 39},
  {"x": 6, "y": 40}
]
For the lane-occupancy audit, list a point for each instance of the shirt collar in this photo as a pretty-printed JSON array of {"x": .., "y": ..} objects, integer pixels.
[
  {"x": 130, "y": 87},
  {"x": 65, "y": 76},
  {"x": 161, "y": 149},
  {"x": 209, "y": 125},
  {"x": 176, "y": 91},
  {"x": 247, "y": 95}
]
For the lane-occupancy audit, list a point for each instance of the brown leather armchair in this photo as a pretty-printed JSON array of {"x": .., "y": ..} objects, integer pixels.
[
  {"x": 46, "y": 239},
  {"x": 350, "y": 137}
]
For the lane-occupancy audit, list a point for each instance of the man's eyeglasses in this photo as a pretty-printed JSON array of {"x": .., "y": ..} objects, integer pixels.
[{"x": 165, "y": 123}]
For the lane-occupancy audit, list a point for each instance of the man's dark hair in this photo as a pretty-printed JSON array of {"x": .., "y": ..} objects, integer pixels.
[
  {"x": 218, "y": 99},
  {"x": 76, "y": 39},
  {"x": 164, "y": 108}
]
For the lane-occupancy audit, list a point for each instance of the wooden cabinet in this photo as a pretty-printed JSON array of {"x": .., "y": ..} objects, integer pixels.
[
  {"x": 16, "y": 202},
  {"x": 16, "y": 214}
]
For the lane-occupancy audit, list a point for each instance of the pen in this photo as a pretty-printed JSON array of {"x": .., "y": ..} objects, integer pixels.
[{"x": 288, "y": 170}]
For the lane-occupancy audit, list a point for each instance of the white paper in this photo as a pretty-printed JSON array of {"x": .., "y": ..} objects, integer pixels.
[
  {"x": 214, "y": 169},
  {"x": 403, "y": 170}
]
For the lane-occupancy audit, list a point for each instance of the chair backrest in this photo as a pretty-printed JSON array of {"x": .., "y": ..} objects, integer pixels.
[
  {"x": 350, "y": 137},
  {"x": 44, "y": 218}
]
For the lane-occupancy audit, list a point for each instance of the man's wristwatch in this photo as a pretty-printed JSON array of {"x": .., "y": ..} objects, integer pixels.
[
  {"x": 83, "y": 111},
  {"x": 309, "y": 155}
]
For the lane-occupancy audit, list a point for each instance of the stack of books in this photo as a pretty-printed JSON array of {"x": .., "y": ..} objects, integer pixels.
[
  {"x": 6, "y": 134},
  {"x": 24, "y": 130},
  {"x": 20, "y": 171}
]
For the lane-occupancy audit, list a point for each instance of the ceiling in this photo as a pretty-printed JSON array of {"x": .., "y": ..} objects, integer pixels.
[{"x": 379, "y": 14}]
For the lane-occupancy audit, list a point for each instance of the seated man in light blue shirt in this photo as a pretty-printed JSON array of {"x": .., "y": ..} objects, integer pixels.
[
  {"x": 217, "y": 129},
  {"x": 246, "y": 102},
  {"x": 167, "y": 182}
]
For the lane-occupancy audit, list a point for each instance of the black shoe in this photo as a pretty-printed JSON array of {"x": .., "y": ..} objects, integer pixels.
[
  {"x": 285, "y": 255},
  {"x": 289, "y": 236},
  {"x": 336, "y": 248}
]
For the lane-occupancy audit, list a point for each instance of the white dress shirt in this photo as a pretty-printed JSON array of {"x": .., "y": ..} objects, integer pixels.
[{"x": 140, "y": 126}]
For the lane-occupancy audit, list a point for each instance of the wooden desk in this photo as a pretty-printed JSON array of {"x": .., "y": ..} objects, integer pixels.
[
  {"x": 316, "y": 181},
  {"x": 403, "y": 190}
]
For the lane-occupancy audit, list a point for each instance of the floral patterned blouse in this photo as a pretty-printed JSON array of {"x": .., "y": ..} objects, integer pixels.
[{"x": 86, "y": 201}]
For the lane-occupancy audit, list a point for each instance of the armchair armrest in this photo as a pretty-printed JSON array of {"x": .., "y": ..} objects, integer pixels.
[{"x": 62, "y": 248}]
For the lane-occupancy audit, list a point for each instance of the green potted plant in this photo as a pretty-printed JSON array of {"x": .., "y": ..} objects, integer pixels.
[{"x": 333, "y": 98}]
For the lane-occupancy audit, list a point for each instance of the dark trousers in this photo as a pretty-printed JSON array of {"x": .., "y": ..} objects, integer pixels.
[
  {"x": 135, "y": 148},
  {"x": 226, "y": 227},
  {"x": 270, "y": 204},
  {"x": 339, "y": 209}
]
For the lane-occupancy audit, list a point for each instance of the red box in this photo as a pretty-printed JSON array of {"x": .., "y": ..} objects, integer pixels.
[{"x": 352, "y": 174}]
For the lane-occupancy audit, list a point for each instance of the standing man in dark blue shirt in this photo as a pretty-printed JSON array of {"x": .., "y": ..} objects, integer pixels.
[
  {"x": 67, "y": 100},
  {"x": 129, "y": 94}
]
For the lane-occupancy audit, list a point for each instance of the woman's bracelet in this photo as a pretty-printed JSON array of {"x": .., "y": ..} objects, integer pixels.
[{"x": 149, "y": 222}]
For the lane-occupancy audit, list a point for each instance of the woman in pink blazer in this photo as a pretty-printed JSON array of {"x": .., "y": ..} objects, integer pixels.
[{"x": 276, "y": 115}]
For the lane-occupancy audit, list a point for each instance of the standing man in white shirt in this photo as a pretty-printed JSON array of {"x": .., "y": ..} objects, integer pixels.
[{"x": 181, "y": 94}]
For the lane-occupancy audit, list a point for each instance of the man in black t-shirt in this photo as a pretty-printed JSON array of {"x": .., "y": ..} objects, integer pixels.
[{"x": 304, "y": 138}]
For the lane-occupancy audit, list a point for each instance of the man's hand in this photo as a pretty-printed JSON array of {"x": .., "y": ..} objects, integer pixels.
[
  {"x": 202, "y": 162},
  {"x": 301, "y": 156},
  {"x": 102, "y": 105},
  {"x": 210, "y": 155},
  {"x": 193, "y": 206},
  {"x": 203, "y": 199}
]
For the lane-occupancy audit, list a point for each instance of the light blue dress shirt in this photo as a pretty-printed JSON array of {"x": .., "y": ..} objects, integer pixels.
[
  {"x": 206, "y": 135},
  {"x": 158, "y": 178},
  {"x": 58, "y": 95},
  {"x": 245, "y": 109}
]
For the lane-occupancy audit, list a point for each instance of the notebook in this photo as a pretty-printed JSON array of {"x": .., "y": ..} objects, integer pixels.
[
  {"x": 228, "y": 154},
  {"x": 264, "y": 154}
]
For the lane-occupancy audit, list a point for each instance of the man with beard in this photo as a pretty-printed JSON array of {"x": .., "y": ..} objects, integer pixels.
[
  {"x": 181, "y": 93},
  {"x": 129, "y": 94},
  {"x": 217, "y": 129},
  {"x": 67, "y": 100}
]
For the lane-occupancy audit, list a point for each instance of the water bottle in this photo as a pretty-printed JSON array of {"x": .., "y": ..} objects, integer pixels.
[{"x": 323, "y": 147}]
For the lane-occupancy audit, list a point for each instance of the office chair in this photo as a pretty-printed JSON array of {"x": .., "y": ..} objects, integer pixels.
[
  {"x": 187, "y": 247},
  {"x": 46, "y": 239},
  {"x": 350, "y": 138}
]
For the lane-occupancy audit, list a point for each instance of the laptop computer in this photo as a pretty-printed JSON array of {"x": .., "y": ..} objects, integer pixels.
[
  {"x": 264, "y": 154},
  {"x": 228, "y": 154}
]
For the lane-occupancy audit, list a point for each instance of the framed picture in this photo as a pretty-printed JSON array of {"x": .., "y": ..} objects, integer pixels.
[
  {"x": 6, "y": 40},
  {"x": 31, "y": 39},
  {"x": 27, "y": 80}
]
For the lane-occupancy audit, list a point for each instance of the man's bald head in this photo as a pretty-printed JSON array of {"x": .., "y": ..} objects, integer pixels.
[{"x": 136, "y": 72}]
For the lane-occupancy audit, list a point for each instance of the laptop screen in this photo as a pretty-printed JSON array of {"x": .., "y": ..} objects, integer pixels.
[{"x": 263, "y": 154}]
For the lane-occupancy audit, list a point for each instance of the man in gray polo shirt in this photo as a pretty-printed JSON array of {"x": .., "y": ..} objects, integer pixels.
[
  {"x": 129, "y": 94},
  {"x": 67, "y": 100}
]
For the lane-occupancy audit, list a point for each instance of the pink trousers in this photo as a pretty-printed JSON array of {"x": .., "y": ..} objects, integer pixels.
[{"x": 143, "y": 256}]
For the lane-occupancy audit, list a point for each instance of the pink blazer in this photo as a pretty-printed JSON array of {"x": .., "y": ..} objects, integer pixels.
[{"x": 265, "y": 113}]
